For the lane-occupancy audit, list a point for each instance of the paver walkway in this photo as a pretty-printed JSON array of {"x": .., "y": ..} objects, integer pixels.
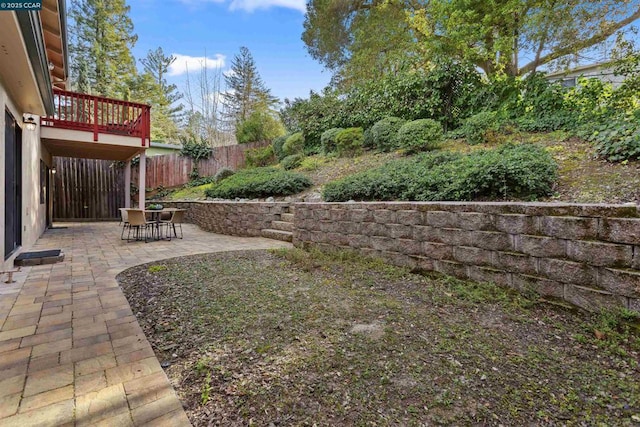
[{"x": 71, "y": 350}]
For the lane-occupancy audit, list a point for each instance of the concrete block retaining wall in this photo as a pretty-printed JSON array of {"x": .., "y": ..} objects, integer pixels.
[
  {"x": 588, "y": 255},
  {"x": 232, "y": 218}
]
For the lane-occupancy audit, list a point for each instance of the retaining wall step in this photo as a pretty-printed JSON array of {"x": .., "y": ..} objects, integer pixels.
[
  {"x": 282, "y": 225},
  {"x": 288, "y": 217},
  {"x": 285, "y": 236}
]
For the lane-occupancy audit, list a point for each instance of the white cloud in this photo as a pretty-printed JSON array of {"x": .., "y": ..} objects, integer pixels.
[
  {"x": 184, "y": 63},
  {"x": 252, "y": 5}
]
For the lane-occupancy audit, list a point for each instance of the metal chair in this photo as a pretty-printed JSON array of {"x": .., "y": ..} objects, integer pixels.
[
  {"x": 177, "y": 217},
  {"x": 138, "y": 222},
  {"x": 124, "y": 220}
]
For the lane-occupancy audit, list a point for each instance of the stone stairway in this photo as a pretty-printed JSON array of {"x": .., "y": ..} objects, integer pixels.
[{"x": 282, "y": 229}]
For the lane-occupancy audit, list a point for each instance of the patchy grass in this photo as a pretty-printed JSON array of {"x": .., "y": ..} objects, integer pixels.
[{"x": 296, "y": 338}]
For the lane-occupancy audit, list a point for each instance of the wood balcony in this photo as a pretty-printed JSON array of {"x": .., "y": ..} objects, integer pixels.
[{"x": 119, "y": 129}]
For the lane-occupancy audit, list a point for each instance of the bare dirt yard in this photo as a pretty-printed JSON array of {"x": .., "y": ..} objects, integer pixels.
[{"x": 297, "y": 338}]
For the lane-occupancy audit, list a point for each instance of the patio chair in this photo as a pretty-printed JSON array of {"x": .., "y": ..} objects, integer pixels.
[
  {"x": 177, "y": 217},
  {"x": 124, "y": 220},
  {"x": 138, "y": 222}
]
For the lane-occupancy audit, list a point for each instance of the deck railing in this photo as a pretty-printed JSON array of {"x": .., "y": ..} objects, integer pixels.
[{"x": 97, "y": 114}]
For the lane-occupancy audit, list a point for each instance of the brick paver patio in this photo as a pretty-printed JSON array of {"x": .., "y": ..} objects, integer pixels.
[{"x": 71, "y": 350}]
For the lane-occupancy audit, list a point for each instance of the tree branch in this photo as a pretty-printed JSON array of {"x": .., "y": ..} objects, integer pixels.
[{"x": 580, "y": 44}]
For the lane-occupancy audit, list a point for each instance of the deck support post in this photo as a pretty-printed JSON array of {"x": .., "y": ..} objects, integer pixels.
[
  {"x": 127, "y": 184},
  {"x": 142, "y": 184}
]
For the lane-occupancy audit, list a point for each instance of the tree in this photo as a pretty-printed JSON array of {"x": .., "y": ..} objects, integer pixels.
[
  {"x": 165, "y": 112},
  {"x": 495, "y": 35},
  {"x": 100, "y": 46},
  {"x": 246, "y": 91},
  {"x": 204, "y": 118},
  {"x": 358, "y": 38}
]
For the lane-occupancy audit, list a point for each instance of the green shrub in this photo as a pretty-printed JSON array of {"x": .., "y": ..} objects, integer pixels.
[
  {"x": 294, "y": 144},
  {"x": 349, "y": 142},
  {"x": 512, "y": 171},
  {"x": 478, "y": 127},
  {"x": 328, "y": 140},
  {"x": 312, "y": 163},
  {"x": 259, "y": 182},
  {"x": 222, "y": 174},
  {"x": 200, "y": 181},
  {"x": 420, "y": 135},
  {"x": 258, "y": 157},
  {"x": 384, "y": 133},
  {"x": 278, "y": 144},
  {"x": 292, "y": 162},
  {"x": 615, "y": 140},
  {"x": 196, "y": 149},
  {"x": 367, "y": 141},
  {"x": 261, "y": 125}
]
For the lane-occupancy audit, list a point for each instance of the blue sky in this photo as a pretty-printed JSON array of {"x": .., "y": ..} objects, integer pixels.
[{"x": 271, "y": 29}]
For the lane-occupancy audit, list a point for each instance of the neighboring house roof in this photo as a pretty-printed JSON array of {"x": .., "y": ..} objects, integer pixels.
[
  {"x": 155, "y": 144},
  {"x": 583, "y": 69}
]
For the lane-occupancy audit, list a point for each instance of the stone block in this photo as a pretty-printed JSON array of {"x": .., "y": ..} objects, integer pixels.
[
  {"x": 592, "y": 299},
  {"x": 516, "y": 224},
  {"x": 408, "y": 246},
  {"x": 384, "y": 216},
  {"x": 409, "y": 217},
  {"x": 424, "y": 233},
  {"x": 382, "y": 243},
  {"x": 358, "y": 241},
  {"x": 374, "y": 229},
  {"x": 453, "y": 236},
  {"x": 360, "y": 215},
  {"x": 399, "y": 259},
  {"x": 489, "y": 275},
  {"x": 339, "y": 215},
  {"x": 471, "y": 255},
  {"x": 622, "y": 282},
  {"x": 569, "y": 272},
  {"x": 634, "y": 304},
  {"x": 438, "y": 251},
  {"x": 620, "y": 230},
  {"x": 528, "y": 285},
  {"x": 600, "y": 254},
  {"x": 495, "y": 241},
  {"x": 423, "y": 264},
  {"x": 541, "y": 247},
  {"x": 398, "y": 231},
  {"x": 442, "y": 219},
  {"x": 451, "y": 268},
  {"x": 569, "y": 227},
  {"x": 515, "y": 262},
  {"x": 321, "y": 214},
  {"x": 476, "y": 221}
]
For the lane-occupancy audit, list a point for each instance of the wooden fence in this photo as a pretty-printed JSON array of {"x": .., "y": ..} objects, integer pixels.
[
  {"x": 88, "y": 189},
  {"x": 172, "y": 169}
]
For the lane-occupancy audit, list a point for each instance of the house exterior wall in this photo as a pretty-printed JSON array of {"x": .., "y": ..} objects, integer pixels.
[
  {"x": 602, "y": 73},
  {"x": 33, "y": 212}
]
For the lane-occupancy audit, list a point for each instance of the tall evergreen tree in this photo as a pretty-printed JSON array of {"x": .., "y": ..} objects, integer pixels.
[
  {"x": 100, "y": 46},
  {"x": 165, "y": 113},
  {"x": 246, "y": 91}
]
